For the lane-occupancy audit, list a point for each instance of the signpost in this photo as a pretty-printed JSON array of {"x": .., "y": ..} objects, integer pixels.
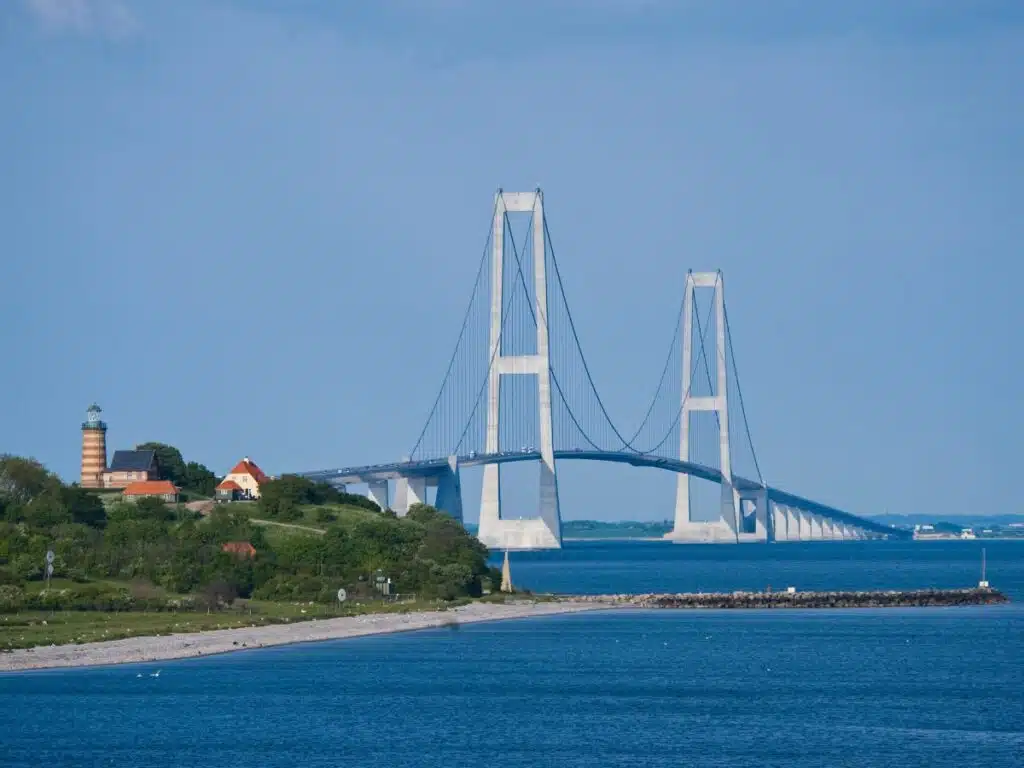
[
  {"x": 342, "y": 595},
  {"x": 49, "y": 566}
]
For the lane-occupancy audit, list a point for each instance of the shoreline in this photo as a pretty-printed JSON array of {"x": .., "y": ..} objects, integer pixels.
[
  {"x": 155, "y": 648},
  {"x": 190, "y": 645}
]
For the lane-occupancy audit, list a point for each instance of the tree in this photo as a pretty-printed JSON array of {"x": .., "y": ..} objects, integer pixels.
[
  {"x": 47, "y": 509},
  {"x": 219, "y": 592},
  {"x": 169, "y": 461},
  {"x": 281, "y": 498},
  {"x": 152, "y": 508},
  {"x": 21, "y": 479},
  {"x": 199, "y": 479},
  {"x": 171, "y": 465},
  {"x": 85, "y": 507}
]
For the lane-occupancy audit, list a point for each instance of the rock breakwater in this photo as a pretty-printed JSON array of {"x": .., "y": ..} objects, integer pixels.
[{"x": 881, "y": 599}]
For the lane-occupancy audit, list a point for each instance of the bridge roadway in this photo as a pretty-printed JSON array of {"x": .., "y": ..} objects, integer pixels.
[{"x": 432, "y": 467}]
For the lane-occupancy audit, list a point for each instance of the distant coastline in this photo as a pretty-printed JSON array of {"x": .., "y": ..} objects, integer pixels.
[{"x": 614, "y": 538}]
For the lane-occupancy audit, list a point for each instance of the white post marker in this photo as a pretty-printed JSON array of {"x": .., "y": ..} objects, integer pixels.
[{"x": 49, "y": 566}]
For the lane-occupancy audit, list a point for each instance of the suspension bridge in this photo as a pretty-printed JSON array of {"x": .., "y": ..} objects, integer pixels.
[{"x": 518, "y": 389}]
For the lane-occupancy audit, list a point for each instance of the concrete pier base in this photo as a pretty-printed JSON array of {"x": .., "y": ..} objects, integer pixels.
[
  {"x": 377, "y": 492},
  {"x": 690, "y": 532},
  {"x": 409, "y": 491},
  {"x": 449, "y": 491}
]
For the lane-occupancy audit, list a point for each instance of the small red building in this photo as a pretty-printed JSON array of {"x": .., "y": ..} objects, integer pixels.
[
  {"x": 240, "y": 548},
  {"x": 163, "y": 489},
  {"x": 228, "y": 490}
]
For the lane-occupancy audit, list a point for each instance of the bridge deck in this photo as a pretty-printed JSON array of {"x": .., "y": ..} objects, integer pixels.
[{"x": 431, "y": 467}]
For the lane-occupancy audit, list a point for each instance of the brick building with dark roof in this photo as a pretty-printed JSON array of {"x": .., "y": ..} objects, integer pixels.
[{"x": 127, "y": 467}]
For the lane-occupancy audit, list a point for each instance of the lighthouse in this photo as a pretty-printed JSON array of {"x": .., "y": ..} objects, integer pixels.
[{"x": 94, "y": 448}]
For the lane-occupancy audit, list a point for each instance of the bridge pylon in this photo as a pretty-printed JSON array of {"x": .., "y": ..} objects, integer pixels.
[
  {"x": 544, "y": 531},
  {"x": 726, "y": 528}
]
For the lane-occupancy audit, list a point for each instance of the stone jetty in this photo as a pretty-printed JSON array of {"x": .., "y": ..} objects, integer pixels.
[{"x": 880, "y": 599}]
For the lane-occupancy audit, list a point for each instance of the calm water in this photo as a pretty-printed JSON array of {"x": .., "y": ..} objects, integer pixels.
[
  {"x": 653, "y": 566},
  {"x": 829, "y": 688}
]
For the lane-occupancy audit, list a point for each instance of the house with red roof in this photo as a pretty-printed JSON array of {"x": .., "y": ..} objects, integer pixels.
[
  {"x": 228, "y": 490},
  {"x": 162, "y": 489},
  {"x": 242, "y": 482}
]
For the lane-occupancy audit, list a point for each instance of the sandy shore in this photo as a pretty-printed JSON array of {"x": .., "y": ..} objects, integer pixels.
[{"x": 143, "y": 649}]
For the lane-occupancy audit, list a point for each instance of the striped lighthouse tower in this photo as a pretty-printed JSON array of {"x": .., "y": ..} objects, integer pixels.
[{"x": 94, "y": 448}]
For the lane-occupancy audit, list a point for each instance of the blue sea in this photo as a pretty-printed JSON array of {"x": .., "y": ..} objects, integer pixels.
[{"x": 894, "y": 687}]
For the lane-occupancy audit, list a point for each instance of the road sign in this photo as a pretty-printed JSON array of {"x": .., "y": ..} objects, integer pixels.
[
  {"x": 49, "y": 570},
  {"x": 49, "y": 556},
  {"x": 342, "y": 595}
]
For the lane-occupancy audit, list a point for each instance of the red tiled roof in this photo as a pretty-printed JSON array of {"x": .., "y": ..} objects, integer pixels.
[
  {"x": 150, "y": 488},
  {"x": 228, "y": 485},
  {"x": 248, "y": 467}
]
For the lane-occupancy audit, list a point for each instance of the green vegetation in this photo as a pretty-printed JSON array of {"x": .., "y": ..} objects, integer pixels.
[
  {"x": 283, "y": 499},
  {"x": 163, "y": 562},
  {"x": 593, "y": 529},
  {"x": 28, "y": 629},
  {"x": 171, "y": 466}
]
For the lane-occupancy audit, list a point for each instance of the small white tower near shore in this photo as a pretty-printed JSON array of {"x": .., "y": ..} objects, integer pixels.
[{"x": 506, "y": 575}]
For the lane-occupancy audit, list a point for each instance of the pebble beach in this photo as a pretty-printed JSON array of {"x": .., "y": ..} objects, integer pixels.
[{"x": 190, "y": 645}]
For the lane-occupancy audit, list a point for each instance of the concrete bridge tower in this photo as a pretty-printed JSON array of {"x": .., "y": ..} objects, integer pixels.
[
  {"x": 726, "y": 527},
  {"x": 544, "y": 531}
]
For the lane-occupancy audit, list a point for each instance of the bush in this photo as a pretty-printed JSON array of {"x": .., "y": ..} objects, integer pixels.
[
  {"x": 291, "y": 588},
  {"x": 219, "y": 593},
  {"x": 88, "y": 597},
  {"x": 324, "y": 515},
  {"x": 12, "y": 598}
]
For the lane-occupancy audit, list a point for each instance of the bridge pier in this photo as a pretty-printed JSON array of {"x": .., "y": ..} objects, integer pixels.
[
  {"x": 409, "y": 491},
  {"x": 792, "y": 518},
  {"x": 449, "y": 490},
  {"x": 779, "y": 528},
  {"x": 757, "y": 502},
  {"x": 804, "y": 523},
  {"x": 377, "y": 491}
]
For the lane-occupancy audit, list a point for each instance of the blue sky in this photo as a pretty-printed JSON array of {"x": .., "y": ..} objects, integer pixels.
[{"x": 250, "y": 228}]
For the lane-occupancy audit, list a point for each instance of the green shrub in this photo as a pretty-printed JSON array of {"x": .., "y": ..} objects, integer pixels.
[{"x": 12, "y": 598}]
